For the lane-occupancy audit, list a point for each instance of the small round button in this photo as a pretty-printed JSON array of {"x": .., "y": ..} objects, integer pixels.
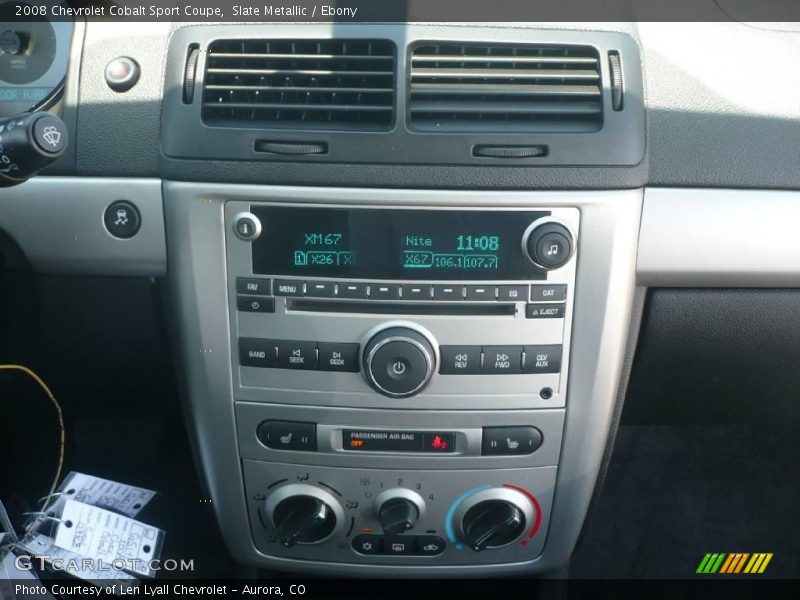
[
  {"x": 398, "y": 362},
  {"x": 122, "y": 219},
  {"x": 548, "y": 245},
  {"x": 247, "y": 226},
  {"x": 50, "y": 134},
  {"x": 122, "y": 73}
]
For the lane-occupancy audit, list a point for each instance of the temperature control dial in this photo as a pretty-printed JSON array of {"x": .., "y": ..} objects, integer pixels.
[
  {"x": 548, "y": 244},
  {"x": 399, "y": 362},
  {"x": 304, "y": 514},
  {"x": 494, "y": 518},
  {"x": 399, "y": 510}
]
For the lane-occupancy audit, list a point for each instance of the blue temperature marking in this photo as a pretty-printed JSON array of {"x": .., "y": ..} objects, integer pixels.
[{"x": 448, "y": 520}]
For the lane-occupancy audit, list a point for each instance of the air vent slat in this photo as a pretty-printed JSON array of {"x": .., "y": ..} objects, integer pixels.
[
  {"x": 300, "y": 84},
  {"x": 505, "y": 88}
]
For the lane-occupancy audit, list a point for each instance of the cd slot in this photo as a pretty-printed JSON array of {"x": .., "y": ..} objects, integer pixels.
[{"x": 495, "y": 309}]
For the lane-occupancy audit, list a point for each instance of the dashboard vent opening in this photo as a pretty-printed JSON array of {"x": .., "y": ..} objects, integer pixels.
[
  {"x": 501, "y": 88},
  {"x": 300, "y": 84}
]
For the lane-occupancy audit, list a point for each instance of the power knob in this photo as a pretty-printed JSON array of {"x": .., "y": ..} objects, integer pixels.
[
  {"x": 548, "y": 244},
  {"x": 399, "y": 361},
  {"x": 304, "y": 514}
]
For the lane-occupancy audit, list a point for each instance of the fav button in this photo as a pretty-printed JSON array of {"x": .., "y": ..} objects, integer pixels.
[
  {"x": 333, "y": 356},
  {"x": 510, "y": 440},
  {"x": 253, "y": 286},
  {"x": 297, "y": 355},
  {"x": 502, "y": 359},
  {"x": 463, "y": 360},
  {"x": 288, "y": 435}
]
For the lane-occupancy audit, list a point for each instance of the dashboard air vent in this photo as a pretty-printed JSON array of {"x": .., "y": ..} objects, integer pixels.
[
  {"x": 300, "y": 84},
  {"x": 505, "y": 88}
]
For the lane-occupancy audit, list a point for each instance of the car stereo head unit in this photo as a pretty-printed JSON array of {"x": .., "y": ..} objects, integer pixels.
[{"x": 366, "y": 243}]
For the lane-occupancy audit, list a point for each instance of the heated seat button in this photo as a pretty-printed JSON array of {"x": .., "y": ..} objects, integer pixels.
[
  {"x": 428, "y": 545},
  {"x": 288, "y": 435},
  {"x": 258, "y": 353},
  {"x": 368, "y": 544},
  {"x": 542, "y": 359},
  {"x": 510, "y": 440},
  {"x": 337, "y": 357},
  {"x": 297, "y": 355},
  {"x": 255, "y": 304},
  {"x": 460, "y": 360},
  {"x": 502, "y": 359}
]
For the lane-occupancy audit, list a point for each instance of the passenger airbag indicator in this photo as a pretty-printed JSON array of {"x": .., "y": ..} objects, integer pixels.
[{"x": 394, "y": 440}]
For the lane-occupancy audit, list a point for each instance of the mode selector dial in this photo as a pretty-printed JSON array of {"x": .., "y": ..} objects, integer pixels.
[
  {"x": 398, "y": 510},
  {"x": 548, "y": 244},
  {"x": 494, "y": 518},
  {"x": 399, "y": 361},
  {"x": 303, "y": 514}
]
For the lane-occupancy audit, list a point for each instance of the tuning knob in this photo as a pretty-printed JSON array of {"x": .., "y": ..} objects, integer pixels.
[
  {"x": 494, "y": 518},
  {"x": 399, "y": 361},
  {"x": 399, "y": 510},
  {"x": 548, "y": 244},
  {"x": 304, "y": 514}
]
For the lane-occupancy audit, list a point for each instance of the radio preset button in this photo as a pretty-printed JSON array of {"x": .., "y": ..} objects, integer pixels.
[
  {"x": 512, "y": 293},
  {"x": 384, "y": 291},
  {"x": 255, "y": 304},
  {"x": 545, "y": 311},
  {"x": 288, "y": 287},
  {"x": 353, "y": 290},
  {"x": 297, "y": 355},
  {"x": 321, "y": 289},
  {"x": 254, "y": 287},
  {"x": 255, "y": 352},
  {"x": 549, "y": 293},
  {"x": 480, "y": 292},
  {"x": 448, "y": 292},
  {"x": 288, "y": 435},
  {"x": 542, "y": 359},
  {"x": 334, "y": 356},
  {"x": 510, "y": 440},
  {"x": 502, "y": 359},
  {"x": 416, "y": 292},
  {"x": 460, "y": 360}
]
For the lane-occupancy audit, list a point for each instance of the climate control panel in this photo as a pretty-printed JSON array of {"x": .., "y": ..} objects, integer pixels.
[{"x": 398, "y": 517}]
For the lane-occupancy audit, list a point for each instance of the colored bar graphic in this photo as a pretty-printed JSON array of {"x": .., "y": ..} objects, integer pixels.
[{"x": 734, "y": 563}]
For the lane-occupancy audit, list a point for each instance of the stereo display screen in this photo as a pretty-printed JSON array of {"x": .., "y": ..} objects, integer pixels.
[{"x": 393, "y": 244}]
